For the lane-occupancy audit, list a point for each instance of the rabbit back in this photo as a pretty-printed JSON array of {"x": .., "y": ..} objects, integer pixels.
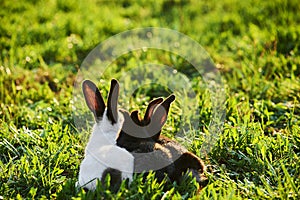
[{"x": 95, "y": 165}]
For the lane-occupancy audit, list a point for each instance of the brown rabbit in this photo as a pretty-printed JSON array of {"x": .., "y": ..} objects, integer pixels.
[{"x": 153, "y": 151}]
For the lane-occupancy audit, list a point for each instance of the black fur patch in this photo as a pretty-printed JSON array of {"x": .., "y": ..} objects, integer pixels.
[{"x": 115, "y": 178}]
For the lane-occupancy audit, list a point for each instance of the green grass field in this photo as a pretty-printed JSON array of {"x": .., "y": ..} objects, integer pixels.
[{"x": 254, "y": 44}]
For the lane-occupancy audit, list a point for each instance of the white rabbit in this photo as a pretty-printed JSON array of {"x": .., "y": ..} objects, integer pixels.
[{"x": 102, "y": 155}]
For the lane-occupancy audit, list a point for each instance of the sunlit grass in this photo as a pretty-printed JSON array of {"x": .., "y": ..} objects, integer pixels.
[{"x": 255, "y": 45}]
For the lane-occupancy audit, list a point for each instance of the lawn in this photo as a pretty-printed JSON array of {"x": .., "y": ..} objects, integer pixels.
[{"x": 255, "y": 46}]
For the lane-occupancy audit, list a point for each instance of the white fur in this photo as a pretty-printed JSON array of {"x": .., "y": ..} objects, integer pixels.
[{"x": 102, "y": 152}]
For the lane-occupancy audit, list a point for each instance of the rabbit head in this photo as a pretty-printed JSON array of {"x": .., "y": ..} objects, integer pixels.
[
  {"x": 137, "y": 131},
  {"x": 108, "y": 119}
]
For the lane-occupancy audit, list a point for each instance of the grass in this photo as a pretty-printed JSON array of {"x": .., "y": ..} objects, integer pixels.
[{"x": 254, "y": 44}]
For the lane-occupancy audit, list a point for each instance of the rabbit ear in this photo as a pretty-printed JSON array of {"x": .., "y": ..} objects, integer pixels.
[
  {"x": 149, "y": 112},
  {"x": 132, "y": 126},
  {"x": 135, "y": 117},
  {"x": 112, "y": 102},
  {"x": 159, "y": 117},
  {"x": 93, "y": 98},
  {"x": 161, "y": 112}
]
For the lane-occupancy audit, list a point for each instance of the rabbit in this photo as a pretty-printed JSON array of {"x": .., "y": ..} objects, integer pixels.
[
  {"x": 142, "y": 136},
  {"x": 148, "y": 154},
  {"x": 102, "y": 155}
]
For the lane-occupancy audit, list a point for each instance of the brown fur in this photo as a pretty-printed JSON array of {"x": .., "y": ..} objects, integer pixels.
[{"x": 157, "y": 149}]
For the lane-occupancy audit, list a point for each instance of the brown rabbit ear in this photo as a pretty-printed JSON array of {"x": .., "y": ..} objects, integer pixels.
[
  {"x": 161, "y": 112},
  {"x": 149, "y": 112},
  {"x": 135, "y": 117},
  {"x": 112, "y": 102},
  {"x": 131, "y": 127},
  {"x": 93, "y": 99},
  {"x": 159, "y": 117}
]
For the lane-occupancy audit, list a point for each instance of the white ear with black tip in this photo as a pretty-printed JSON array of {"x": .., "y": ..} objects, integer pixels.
[
  {"x": 93, "y": 99},
  {"x": 112, "y": 102}
]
